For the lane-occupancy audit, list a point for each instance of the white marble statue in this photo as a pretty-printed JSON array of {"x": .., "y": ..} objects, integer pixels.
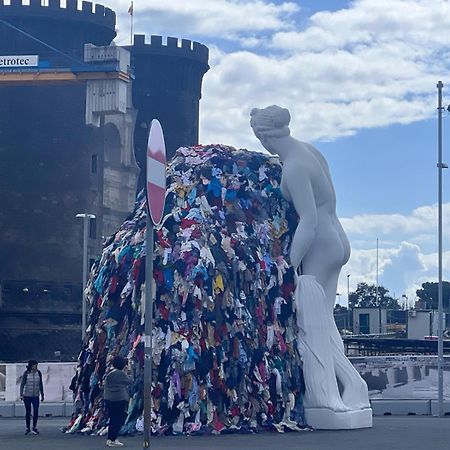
[{"x": 336, "y": 396}]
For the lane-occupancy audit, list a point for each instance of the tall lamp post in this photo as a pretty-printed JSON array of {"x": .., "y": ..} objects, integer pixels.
[
  {"x": 338, "y": 295},
  {"x": 348, "y": 301},
  {"x": 405, "y": 304},
  {"x": 440, "y": 166},
  {"x": 378, "y": 302},
  {"x": 86, "y": 218}
]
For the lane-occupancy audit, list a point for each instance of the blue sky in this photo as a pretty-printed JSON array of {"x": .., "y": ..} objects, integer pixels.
[{"x": 359, "y": 78}]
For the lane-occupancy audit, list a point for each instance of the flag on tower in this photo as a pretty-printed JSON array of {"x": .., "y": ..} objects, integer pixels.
[{"x": 131, "y": 9}]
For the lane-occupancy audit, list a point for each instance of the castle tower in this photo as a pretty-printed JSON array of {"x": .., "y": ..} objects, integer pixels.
[
  {"x": 65, "y": 28},
  {"x": 168, "y": 87},
  {"x": 47, "y": 153},
  {"x": 54, "y": 166}
]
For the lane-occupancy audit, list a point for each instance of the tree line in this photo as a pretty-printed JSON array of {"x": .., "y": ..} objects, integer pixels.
[{"x": 365, "y": 296}]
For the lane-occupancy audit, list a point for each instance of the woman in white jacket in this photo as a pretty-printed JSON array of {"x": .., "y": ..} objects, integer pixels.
[{"x": 31, "y": 387}]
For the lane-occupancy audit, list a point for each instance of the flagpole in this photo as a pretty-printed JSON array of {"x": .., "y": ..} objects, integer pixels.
[{"x": 131, "y": 11}]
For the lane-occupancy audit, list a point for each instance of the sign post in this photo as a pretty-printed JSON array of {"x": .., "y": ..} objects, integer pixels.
[{"x": 156, "y": 196}]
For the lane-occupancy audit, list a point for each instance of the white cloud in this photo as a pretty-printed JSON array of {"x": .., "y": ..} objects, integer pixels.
[
  {"x": 420, "y": 224},
  {"x": 367, "y": 23},
  {"x": 401, "y": 269},
  {"x": 221, "y": 19},
  {"x": 407, "y": 254},
  {"x": 372, "y": 64}
]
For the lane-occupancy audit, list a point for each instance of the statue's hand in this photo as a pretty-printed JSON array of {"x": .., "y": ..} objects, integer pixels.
[{"x": 296, "y": 260}]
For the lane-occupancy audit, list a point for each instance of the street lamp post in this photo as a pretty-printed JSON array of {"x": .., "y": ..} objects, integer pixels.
[
  {"x": 440, "y": 166},
  {"x": 338, "y": 295},
  {"x": 405, "y": 304},
  {"x": 348, "y": 301},
  {"x": 378, "y": 302},
  {"x": 86, "y": 218}
]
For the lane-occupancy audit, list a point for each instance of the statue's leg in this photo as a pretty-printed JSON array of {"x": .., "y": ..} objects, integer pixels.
[
  {"x": 321, "y": 384},
  {"x": 355, "y": 393},
  {"x": 315, "y": 347}
]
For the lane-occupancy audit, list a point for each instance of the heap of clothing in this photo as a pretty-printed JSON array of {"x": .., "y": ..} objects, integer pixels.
[{"x": 224, "y": 334}]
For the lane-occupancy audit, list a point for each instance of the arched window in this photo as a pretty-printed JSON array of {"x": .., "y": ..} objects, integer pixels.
[{"x": 112, "y": 145}]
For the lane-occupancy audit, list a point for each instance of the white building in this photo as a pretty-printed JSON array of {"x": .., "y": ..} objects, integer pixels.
[{"x": 369, "y": 320}]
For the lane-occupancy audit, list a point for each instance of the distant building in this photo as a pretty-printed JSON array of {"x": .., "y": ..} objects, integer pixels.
[
  {"x": 369, "y": 320},
  {"x": 424, "y": 323}
]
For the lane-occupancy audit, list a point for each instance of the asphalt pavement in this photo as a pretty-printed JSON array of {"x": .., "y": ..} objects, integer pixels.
[{"x": 388, "y": 433}]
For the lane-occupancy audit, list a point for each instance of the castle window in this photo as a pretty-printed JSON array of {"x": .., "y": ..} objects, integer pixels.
[
  {"x": 93, "y": 228},
  {"x": 94, "y": 164}
]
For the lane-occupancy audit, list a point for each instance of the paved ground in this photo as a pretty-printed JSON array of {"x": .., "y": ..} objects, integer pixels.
[{"x": 388, "y": 433}]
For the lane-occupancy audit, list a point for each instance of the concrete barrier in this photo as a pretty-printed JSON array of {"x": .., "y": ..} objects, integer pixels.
[
  {"x": 401, "y": 407},
  {"x": 68, "y": 408},
  {"x": 6, "y": 409},
  {"x": 435, "y": 408},
  {"x": 19, "y": 410},
  {"x": 52, "y": 409}
]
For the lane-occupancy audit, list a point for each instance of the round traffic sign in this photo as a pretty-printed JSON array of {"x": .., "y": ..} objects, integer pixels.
[{"x": 156, "y": 172}]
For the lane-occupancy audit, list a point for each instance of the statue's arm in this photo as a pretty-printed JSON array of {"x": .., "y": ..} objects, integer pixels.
[{"x": 298, "y": 183}]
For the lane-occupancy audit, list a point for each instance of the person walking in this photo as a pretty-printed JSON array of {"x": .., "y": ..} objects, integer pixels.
[
  {"x": 31, "y": 387},
  {"x": 116, "y": 399}
]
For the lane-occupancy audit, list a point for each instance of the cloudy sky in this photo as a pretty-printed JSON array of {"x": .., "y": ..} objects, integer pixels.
[{"x": 359, "y": 78}]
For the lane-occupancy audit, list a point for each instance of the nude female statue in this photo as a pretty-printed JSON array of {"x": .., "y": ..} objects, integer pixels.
[{"x": 319, "y": 250}]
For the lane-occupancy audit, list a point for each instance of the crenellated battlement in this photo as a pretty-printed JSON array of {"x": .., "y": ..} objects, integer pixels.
[
  {"x": 181, "y": 48},
  {"x": 57, "y": 9}
]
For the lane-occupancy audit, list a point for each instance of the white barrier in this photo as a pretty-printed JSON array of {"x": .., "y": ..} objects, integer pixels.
[
  {"x": 401, "y": 407},
  {"x": 56, "y": 378}
]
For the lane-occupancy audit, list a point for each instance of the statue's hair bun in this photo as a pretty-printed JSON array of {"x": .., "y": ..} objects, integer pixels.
[{"x": 272, "y": 121}]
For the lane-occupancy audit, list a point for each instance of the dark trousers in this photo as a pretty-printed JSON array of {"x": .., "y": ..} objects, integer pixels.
[
  {"x": 28, "y": 401},
  {"x": 117, "y": 414}
]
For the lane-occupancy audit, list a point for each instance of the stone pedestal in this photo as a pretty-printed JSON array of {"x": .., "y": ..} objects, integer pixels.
[{"x": 326, "y": 419}]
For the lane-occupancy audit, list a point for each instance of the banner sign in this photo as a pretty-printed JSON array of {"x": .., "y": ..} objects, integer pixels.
[{"x": 19, "y": 61}]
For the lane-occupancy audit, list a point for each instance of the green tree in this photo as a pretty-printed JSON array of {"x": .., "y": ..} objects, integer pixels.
[
  {"x": 365, "y": 296},
  {"x": 428, "y": 294}
]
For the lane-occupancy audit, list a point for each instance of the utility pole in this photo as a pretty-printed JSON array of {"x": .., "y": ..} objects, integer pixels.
[
  {"x": 156, "y": 196},
  {"x": 377, "y": 298},
  {"x": 440, "y": 166},
  {"x": 150, "y": 244},
  {"x": 86, "y": 218},
  {"x": 348, "y": 302}
]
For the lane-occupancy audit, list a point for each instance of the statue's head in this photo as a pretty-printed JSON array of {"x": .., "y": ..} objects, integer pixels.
[{"x": 270, "y": 122}]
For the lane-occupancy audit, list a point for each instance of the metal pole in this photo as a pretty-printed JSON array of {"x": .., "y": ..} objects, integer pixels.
[
  {"x": 440, "y": 166},
  {"x": 86, "y": 218},
  {"x": 148, "y": 331},
  {"x": 132, "y": 23},
  {"x": 348, "y": 301},
  {"x": 377, "y": 299},
  {"x": 85, "y": 274}
]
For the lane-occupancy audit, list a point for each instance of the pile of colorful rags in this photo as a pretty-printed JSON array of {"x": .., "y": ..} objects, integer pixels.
[{"x": 224, "y": 343}]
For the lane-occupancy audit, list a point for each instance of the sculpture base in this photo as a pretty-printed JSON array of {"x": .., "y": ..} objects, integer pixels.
[{"x": 326, "y": 419}]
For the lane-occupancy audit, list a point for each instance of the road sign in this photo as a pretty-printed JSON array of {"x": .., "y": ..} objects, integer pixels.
[
  {"x": 156, "y": 172},
  {"x": 156, "y": 196}
]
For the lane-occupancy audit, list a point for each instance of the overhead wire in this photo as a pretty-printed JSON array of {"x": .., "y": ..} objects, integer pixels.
[{"x": 4, "y": 22}]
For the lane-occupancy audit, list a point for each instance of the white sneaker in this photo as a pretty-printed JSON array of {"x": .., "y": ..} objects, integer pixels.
[{"x": 116, "y": 443}]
